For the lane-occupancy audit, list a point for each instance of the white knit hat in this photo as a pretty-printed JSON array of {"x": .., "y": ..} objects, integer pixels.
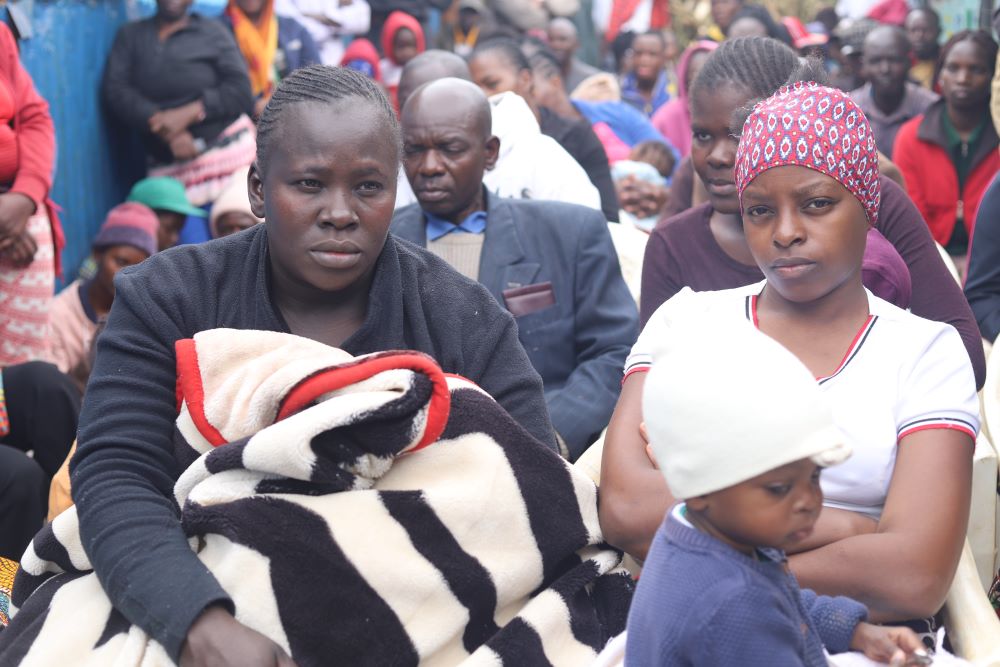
[
  {"x": 723, "y": 404},
  {"x": 233, "y": 199}
]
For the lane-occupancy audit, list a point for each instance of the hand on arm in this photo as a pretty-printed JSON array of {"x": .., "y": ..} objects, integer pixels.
[
  {"x": 183, "y": 146},
  {"x": 171, "y": 123},
  {"x": 904, "y": 569},
  {"x": 834, "y": 525},
  {"x": 15, "y": 210},
  {"x": 22, "y": 251}
]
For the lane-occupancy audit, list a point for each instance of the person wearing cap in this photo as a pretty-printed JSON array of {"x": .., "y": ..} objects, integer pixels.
[
  {"x": 902, "y": 388},
  {"x": 231, "y": 212},
  {"x": 742, "y": 433},
  {"x": 169, "y": 202},
  {"x": 127, "y": 237}
]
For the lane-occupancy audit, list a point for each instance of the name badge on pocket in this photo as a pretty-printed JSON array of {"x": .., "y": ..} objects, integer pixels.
[{"x": 529, "y": 299}]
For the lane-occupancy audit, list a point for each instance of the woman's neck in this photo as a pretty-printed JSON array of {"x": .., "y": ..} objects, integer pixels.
[
  {"x": 965, "y": 121},
  {"x": 326, "y": 317},
  {"x": 846, "y": 302},
  {"x": 727, "y": 229}
]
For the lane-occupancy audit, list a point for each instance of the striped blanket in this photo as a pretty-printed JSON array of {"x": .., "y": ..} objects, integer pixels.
[{"x": 362, "y": 511}]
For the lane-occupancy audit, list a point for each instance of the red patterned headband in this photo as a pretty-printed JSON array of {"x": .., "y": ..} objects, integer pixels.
[{"x": 810, "y": 125}]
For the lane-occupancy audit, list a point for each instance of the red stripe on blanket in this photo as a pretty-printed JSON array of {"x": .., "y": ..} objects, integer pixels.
[
  {"x": 190, "y": 389},
  {"x": 331, "y": 379}
]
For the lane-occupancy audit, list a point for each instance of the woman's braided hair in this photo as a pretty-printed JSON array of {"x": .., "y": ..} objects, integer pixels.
[
  {"x": 321, "y": 83},
  {"x": 759, "y": 65}
]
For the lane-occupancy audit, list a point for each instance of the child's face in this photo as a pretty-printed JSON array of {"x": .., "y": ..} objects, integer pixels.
[
  {"x": 169, "y": 232},
  {"x": 806, "y": 232},
  {"x": 404, "y": 46},
  {"x": 777, "y": 509},
  {"x": 112, "y": 260}
]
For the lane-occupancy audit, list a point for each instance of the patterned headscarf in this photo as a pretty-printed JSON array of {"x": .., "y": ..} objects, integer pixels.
[{"x": 810, "y": 125}]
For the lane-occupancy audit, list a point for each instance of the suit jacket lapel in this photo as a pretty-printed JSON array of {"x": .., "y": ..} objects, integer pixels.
[
  {"x": 502, "y": 264},
  {"x": 408, "y": 223}
]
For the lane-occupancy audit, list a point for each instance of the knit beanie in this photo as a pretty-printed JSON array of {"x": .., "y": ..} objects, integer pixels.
[
  {"x": 131, "y": 224},
  {"x": 723, "y": 404},
  {"x": 234, "y": 198},
  {"x": 809, "y": 125}
]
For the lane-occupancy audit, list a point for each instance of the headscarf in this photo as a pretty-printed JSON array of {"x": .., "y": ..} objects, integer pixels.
[
  {"x": 258, "y": 42},
  {"x": 362, "y": 56},
  {"x": 809, "y": 125},
  {"x": 396, "y": 22},
  {"x": 673, "y": 119}
]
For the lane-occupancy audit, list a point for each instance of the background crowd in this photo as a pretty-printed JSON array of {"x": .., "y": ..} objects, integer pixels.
[{"x": 574, "y": 158}]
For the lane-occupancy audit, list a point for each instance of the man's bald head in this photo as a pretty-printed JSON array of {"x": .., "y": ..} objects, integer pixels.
[
  {"x": 888, "y": 34},
  {"x": 447, "y": 146},
  {"x": 455, "y": 102},
  {"x": 562, "y": 38},
  {"x": 430, "y": 66}
]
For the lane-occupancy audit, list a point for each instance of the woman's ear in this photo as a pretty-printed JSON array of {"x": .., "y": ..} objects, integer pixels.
[{"x": 255, "y": 190}]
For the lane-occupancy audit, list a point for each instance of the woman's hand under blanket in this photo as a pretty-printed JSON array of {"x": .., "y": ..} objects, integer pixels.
[
  {"x": 834, "y": 525},
  {"x": 892, "y": 645},
  {"x": 218, "y": 640}
]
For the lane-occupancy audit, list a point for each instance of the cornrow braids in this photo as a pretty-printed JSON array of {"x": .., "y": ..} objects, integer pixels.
[
  {"x": 987, "y": 45},
  {"x": 508, "y": 49},
  {"x": 759, "y": 65},
  {"x": 806, "y": 69},
  {"x": 321, "y": 83}
]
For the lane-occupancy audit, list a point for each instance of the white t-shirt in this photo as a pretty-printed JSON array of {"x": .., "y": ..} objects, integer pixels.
[{"x": 902, "y": 374}]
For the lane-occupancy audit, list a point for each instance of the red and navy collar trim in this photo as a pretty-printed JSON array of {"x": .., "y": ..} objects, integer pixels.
[{"x": 852, "y": 350}]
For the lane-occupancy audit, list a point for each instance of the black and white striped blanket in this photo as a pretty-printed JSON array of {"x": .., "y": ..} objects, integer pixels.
[{"x": 361, "y": 511}]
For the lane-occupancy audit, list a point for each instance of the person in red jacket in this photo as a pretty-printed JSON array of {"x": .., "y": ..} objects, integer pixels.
[
  {"x": 948, "y": 156},
  {"x": 30, "y": 236}
]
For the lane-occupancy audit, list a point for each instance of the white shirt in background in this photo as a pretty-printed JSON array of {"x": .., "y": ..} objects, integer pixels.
[{"x": 354, "y": 19}]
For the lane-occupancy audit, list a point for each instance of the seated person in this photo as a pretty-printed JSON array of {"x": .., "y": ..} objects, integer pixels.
[
  {"x": 530, "y": 166},
  {"x": 742, "y": 433},
  {"x": 322, "y": 267},
  {"x": 39, "y": 407},
  {"x": 499, "y": 66},
  {"x": 705, "y": 248},
  {"x": 231, "y": 212},
  {"x": 273, "y": 46},
  {"x": 901, "y": 387},
  {"x": 619, "y": 126},
  {"x": 127, "y": 237},
  {"x": 644, "y": 85},
  {"x": 474, "y": 19},
  {"x": 888, "y": 99},
  {"x": 948, "y": 155},
  {"x": 552, "y": 265}
]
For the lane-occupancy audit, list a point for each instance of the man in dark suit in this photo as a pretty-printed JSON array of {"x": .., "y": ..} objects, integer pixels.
[{"x": 552, "y": 265}]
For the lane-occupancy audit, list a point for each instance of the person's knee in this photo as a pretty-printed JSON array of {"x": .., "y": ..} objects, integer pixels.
[{"x": 22, "y": 482}]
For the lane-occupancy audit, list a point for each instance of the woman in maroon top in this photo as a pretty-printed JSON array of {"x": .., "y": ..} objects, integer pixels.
[
  {"x": 30, "y": 235},
  {"x": 703, "y": 248}
]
